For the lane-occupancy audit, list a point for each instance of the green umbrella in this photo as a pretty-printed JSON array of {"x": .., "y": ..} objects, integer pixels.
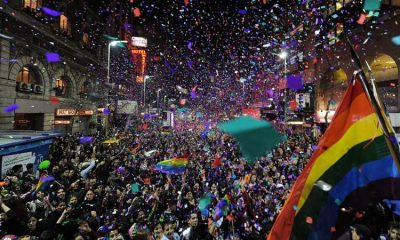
[
  {"x": 44, "y": 165},
  {"x": 254, "y": 136}
]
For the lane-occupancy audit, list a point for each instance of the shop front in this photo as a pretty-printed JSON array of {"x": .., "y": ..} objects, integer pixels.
[{"x": 74, "y": 120}]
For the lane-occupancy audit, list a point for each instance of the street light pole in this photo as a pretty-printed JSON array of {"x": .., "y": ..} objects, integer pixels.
[
  {"x": 144, "y": 93},
  {"x": 158, "y": 95},
  {"x": 144, "y": 90},
  {"x": 111, "y": 43},
  {"x": 283, "y": 55}
]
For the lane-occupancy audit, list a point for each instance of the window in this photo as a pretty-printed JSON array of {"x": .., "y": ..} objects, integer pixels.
[
  {"x": 64, "y": 25},
  {"x": 28, "y": 75},
  {"x": 62, "y": 87},
  {"x": 85, "y": 38},
  {"x": 32, "y": 4}
]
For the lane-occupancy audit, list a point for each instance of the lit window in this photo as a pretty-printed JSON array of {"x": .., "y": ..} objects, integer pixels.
[
  {"x": 64, "y": 23},
  {"x": 28, "y": 75},
  {"x": 61, "y": 88},
  {"x": 85, "y": 38},
  {"x": 32, "y": 4}
]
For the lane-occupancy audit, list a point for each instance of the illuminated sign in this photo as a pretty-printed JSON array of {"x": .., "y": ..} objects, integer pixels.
[
  {"x": 139, "y": 59},
  {"x": 62, "y": 122},
  {"x": 139, "y": 42},
  {"x": 73, "y": 112}
]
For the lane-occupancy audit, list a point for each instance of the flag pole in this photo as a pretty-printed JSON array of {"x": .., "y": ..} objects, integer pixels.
[{"x": 394, "y": 148}]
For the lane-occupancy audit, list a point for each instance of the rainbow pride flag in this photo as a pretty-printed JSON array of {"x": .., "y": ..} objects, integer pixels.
[
  {"x": 222, "y": 207},
  {"x": 134, "y": 150},
  {"x": 355, "y": 164},
  {"x": 172, "y": 166},
  {"x": 43, "y": 182}
]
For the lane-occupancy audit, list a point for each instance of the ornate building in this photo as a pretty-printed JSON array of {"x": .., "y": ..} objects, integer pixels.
[
  {"x": 53, "y": 65},
  {"x": 329, "y": 63}
]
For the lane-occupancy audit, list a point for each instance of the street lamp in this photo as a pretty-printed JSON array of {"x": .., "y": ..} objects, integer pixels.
[
  {"x": 144, "y": 90},
  {"x": 283, "y": 55},
  {"x": 242, "y": 80},
  {"x": 158, "y": 95},
  {"x": 112, "y": 43}
]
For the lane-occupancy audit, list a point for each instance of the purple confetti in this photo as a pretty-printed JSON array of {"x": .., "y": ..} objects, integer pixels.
[
  {"x": 52, "y": 57},
  {"x": 11, "y": 108},
  {"x": 106, "y": 111},
  {"x": 295, "y": 82},
  {"x": 193, "y": 94},
  {"x": 242, "y": 11},
  {"x": 51, "y": 12},
  {"x": 148, "y": 115},
  {"x": 190, "y": 64},
  {"x": 190, "y": 44}
]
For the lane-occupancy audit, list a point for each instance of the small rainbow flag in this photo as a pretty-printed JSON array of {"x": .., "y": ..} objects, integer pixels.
[
  {"x": 44, "y": 181},
  {"x": 172, "y": 166},
  {"x": 222, "y": 207},
  {"x": 134, "y": 150}
]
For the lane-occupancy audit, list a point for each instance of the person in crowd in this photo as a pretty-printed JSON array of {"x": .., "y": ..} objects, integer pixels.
[{"x": 117, "y": 194}]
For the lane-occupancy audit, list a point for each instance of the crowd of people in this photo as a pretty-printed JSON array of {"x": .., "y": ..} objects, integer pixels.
[{"x": 112, "y": 191}]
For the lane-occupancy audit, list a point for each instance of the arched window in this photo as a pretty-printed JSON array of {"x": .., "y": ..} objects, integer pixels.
[
  {"x": 85, "y": 38},
  {"x": 63, "y": 87},
  {"x": 29, "y": 80},
  {"x": 386, "y": 74},
  {"x": 64, "y": 24},
  {"x": 29, "y": 74},
  {"x": 32, "y": 4}
]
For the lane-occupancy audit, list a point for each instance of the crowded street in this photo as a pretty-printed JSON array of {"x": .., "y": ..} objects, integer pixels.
[{"x": 197, "y": 119}]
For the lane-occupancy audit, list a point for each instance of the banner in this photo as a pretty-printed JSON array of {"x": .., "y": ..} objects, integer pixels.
[{"x": 9, "y": 161}]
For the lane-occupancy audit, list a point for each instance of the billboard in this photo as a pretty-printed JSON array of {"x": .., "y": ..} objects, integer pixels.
[
  {"x": 168, "y": 119},
  {"x": 139, "y": 42},
  {"x": 127, "y": 107}
]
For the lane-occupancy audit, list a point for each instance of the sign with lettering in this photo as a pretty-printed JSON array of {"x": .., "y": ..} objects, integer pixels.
[
  {"x": 11, "y": 160},
  {"x": 62, "y": 122},
  {"x": 73, "y": 112},
  {"x": 139, "y": 42}
]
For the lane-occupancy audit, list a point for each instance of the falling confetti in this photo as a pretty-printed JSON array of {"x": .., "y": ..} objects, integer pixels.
[
  {"x": 52, "y": 57},
  {"x": 11, "y": 108},
  {"x": 51, "y": 12}
]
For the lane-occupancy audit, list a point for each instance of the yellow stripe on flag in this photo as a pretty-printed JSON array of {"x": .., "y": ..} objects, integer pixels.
[{"x": 361, "y": 131}]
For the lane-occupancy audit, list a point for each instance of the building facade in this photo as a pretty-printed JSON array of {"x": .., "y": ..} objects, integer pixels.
[
  {"x": 327, "y": 57},
  {"x": 49, "y": 67}
]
